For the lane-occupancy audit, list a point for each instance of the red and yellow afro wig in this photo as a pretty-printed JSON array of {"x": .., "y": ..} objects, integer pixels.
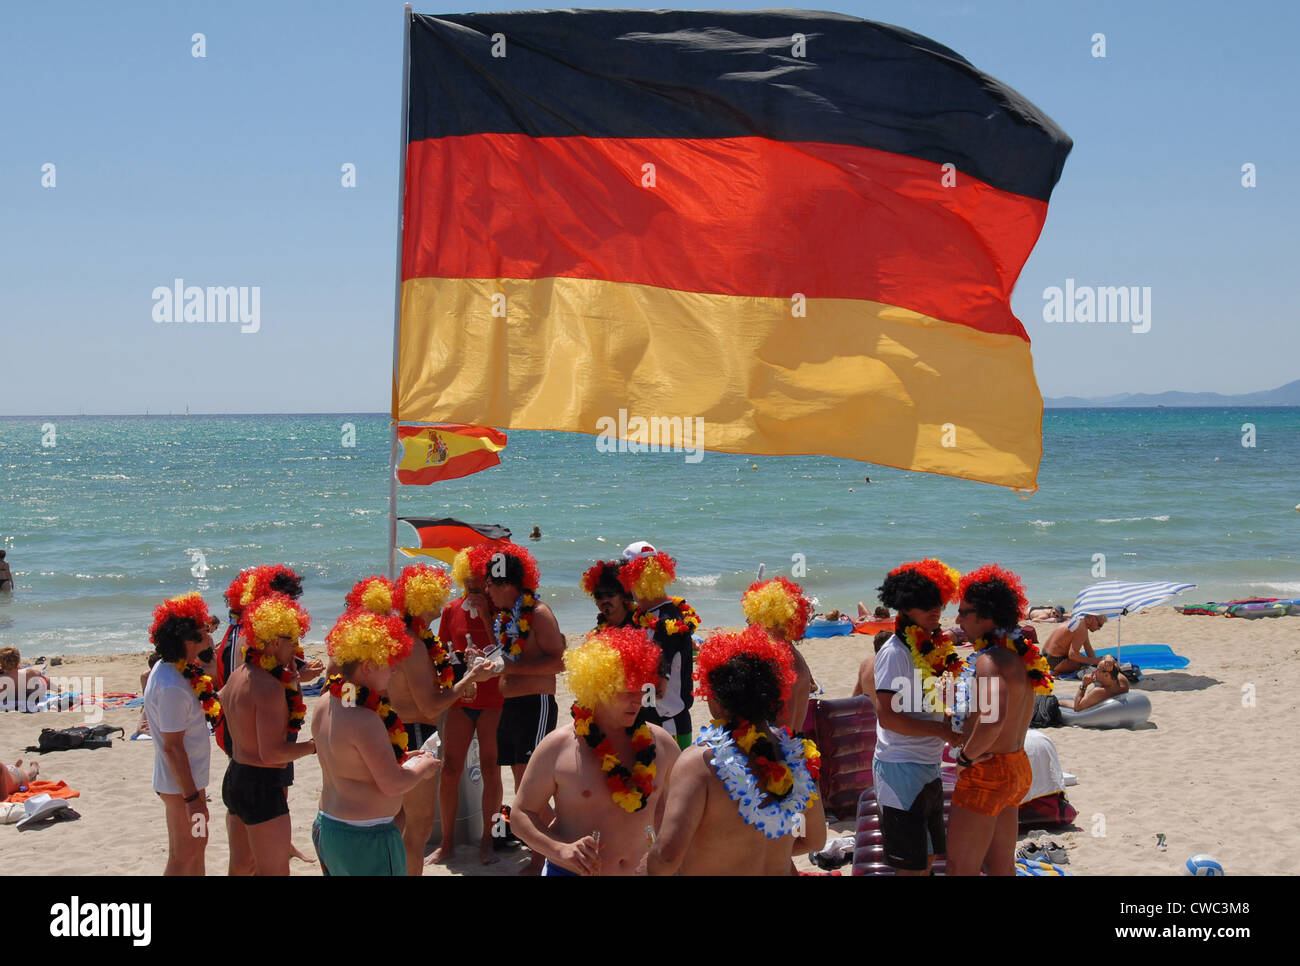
[
  {"x": 363, "y": 637},
  {"x": 505, "y": 561},
  {"x": 778, "y": 604},
  {"x": 997, "y": 594},
  {"x": 189, "y": 606},
  {"x": 646, "y": 578},
  {"x": 373, "y": 593},
  {"x": 752, "y": 647},
  {"x": 421, "y": 589},
  {"x": 603, "y": 573},
  {"x": 944, "y": 579},
  {"x": 611, "y": 662},
  {"x": 275, "y": 616}
]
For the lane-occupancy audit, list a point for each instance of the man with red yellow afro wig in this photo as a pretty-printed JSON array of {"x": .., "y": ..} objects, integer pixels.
[
  {"x": 366, "y": 766},
  {"x": 993, "y": 771},
  {"x": 264, "y": 711},
  {"x": 533, "y": 649},
  {"x": 425, "y": 685},
  {"x": 602, "y": 773},
  {"x": 646, "y": 573},
  {"x": 179, "y": 704},
  {"x": 372, "y": 593},
  {"x": 248, "y": 587},
  {"x": 910, "y": 729},
  {"x": 743, "y": 799},
  {"x": 780, "y": 608}
]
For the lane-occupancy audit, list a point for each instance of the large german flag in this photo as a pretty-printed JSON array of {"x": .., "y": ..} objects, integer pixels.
[{"x": 802, "y": 227}]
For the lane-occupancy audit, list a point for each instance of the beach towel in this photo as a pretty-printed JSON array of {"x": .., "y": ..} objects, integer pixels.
[
  {"x": 41, "y": 787},
  {"x": 1153, "y": 657},
  {"x": 1039, "y": 867},
  {"x": 119, "y": 699}
]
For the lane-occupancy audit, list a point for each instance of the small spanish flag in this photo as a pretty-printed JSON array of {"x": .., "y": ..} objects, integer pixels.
[
  {"x": 444, "y": 538},
  {"x": 447, "y": 451}
]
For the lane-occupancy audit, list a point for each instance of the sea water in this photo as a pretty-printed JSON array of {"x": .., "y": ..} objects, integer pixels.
[{"x": 121, "y": 512}]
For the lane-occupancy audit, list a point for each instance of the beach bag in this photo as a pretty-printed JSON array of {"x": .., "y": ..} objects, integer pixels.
[
  {"x": 1131, "y": 671},
  {"x": 66, "y": 739},
  {"x": 1047, "y": 712}
]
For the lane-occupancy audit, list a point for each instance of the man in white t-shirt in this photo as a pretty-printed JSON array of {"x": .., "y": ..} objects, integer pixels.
[
  {"x": 177, "y": 721},
  {"x": 909, "y": 737}
]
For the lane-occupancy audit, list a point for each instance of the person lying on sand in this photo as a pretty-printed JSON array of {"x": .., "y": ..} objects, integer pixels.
[
  {"x": 16, "y": 777},
  {"x": 19, "y": 684},
  {"x": 608, "y": 775},
  {"x": 743, "y": 799},
  {"x": 1096, "y": 686}
]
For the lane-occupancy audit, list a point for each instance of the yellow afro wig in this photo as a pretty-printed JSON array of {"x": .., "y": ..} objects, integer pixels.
[
  {"x": 646, "y": 577},
  {"x": 276, "y": 616},
  {"x": 611, "y": 662},
  {"x": 363, "y": 637},
  {"x": 373, "y": 593},
  {"x": 421, "y": 589},
  {"x": 460, "y": 568},
  {"x": 778, "y": 605}
]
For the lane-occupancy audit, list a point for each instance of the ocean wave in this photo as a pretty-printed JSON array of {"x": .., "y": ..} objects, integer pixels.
[
  {"x": 708, "y": 580},
  {"x": 109, "y": 476},
  {"x": 1163, "y": 518},
  {"x": 1293, "y": 588},
  {"x": 1042, "y": 523}
]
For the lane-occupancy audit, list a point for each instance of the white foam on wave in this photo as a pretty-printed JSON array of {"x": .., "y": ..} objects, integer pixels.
[
  {"x": 1163, "y": 518},
  {"x": 1042, "y": 523},
  {"x": 708, "y": 580},
  {"x": 1293, "y": 588}
]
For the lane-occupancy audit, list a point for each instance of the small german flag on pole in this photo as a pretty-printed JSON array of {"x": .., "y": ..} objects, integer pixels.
[
  {"x": 444, "y": 538},
  {"x": 446, "y": 452}
]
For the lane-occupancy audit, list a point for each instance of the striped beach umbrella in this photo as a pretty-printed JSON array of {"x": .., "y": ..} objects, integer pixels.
[{"x": 1119, "y": 598}]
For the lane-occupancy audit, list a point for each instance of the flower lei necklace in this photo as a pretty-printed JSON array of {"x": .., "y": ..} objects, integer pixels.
[
  {"x": 378, "y": 703},
  {"x": 795, "y": 771},
  {"x": 258, "y": 657},
  {"x": 629, "y": 789},
  {"x": 689, "y": 623},
  {"x": 203, "y": 690},
  {"x": 1036, "y": 666},
  {"x": 513, "y": 634},
  {"x": 443, "y": 670},
  {"x": 931, "y": 653}
]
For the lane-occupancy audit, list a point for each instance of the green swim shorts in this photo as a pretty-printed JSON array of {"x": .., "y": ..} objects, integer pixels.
[{"x": 359, "y": 850}]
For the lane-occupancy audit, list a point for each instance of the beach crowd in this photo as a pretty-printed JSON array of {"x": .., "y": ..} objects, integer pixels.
[{"x": 416, "y": 672}]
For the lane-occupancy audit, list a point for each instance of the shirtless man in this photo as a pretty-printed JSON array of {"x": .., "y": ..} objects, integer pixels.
[
  {"x": 746, "y": 679},
  {"x": 780, "y": 607},
  {"x": 646, "y": 574},
  {"x": 365, "y": 766},
  {"x": 1069, "y": 649},
  {"x": 1105, "y": 681},
  {"x": 601, "y": 813},
  {"x": 264, "y": 711},
  {"x": 993, "y": 772},
  {"x": 534, "y": 654},
  {"x": 417, "y": 695}
]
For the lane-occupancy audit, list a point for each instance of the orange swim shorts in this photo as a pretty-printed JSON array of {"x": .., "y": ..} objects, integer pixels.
[{"x": 995, "y": 783}]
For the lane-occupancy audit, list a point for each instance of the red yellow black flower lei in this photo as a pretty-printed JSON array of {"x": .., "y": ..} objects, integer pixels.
[
  {"x": 931, "y": 653},
  {"x": 689, "y": 623},
  {"x": 1036, "y": 667},
  {"x": 630, "y": 789},
  {"x": 775, "y": 774},
  {"x": 203, "y": 690},
  {"x": 258, "y": 657},
  {"x": 378, "y": 703},
  {"x": 513, "y": 634},
  {"x": 444, "y": 672}
]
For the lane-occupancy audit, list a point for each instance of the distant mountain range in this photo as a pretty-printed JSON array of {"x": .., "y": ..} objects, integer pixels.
[{"x": 1288, "y": 395}]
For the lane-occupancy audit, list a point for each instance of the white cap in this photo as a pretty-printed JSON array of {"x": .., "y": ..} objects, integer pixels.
[{"x": 638, "y": 549}]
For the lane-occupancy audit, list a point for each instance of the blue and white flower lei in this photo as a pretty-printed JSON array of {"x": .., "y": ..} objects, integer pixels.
[
  {"x": 964, "y": 686},
  {"x": 779, "y": 817},
  {"x": 512, "y": 629}
]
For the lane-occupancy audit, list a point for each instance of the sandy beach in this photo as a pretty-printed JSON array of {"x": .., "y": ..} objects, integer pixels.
[{"x": 1213, "y": 770}]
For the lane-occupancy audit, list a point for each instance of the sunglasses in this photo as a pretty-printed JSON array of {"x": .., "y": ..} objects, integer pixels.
[{"x": 965, "y": 611}]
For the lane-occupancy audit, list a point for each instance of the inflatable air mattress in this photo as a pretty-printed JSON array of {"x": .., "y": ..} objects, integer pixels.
[{"x": 1126, "y": 711}]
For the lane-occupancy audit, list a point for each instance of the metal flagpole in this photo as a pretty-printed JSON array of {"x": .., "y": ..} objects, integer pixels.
[{"x": 407, "y": 14}]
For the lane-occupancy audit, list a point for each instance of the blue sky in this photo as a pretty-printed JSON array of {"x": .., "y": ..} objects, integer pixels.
[{"x": 225, "y": 170}]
